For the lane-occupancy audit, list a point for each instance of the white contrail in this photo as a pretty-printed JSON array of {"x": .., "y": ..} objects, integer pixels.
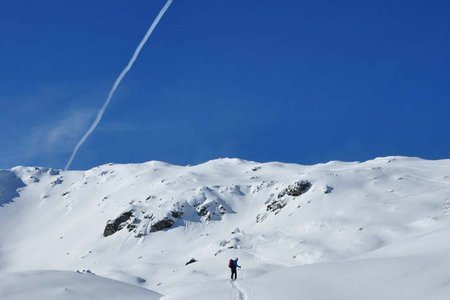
[{"x": 117, "y": 82}]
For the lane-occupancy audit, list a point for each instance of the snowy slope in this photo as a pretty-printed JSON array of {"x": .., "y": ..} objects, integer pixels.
[
  {"x": 358, "y": 230},
  {"x": 55, "y": 285}
]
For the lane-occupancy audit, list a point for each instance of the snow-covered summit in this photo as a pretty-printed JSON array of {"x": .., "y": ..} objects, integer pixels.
[{"x": 163, "y": 227}]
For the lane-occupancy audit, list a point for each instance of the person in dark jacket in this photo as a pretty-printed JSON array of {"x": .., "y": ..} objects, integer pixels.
[{"x": 234, "y": 266}]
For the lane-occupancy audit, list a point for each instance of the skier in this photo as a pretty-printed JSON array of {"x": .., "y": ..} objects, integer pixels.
[{"x": 233, "y": 265}]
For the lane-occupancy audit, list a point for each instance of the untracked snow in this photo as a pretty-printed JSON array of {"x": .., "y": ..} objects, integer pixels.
[
  {"x": 341, "y": 230},
  {"x": 56, "y": 285}
]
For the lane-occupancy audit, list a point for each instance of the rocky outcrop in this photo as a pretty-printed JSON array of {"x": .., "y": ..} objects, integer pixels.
[
  {"x": 209, "y": 204},
  {"x": 176, "y": 214},
  {"x": 293, "y": 190},
  {"x": 161, "y": 225},
  {"x": 117, "y": 224},
  {"x": 276, "y": 206},
  {"x": 296, "y": 189},
  {"x": 56, "y": 181}
]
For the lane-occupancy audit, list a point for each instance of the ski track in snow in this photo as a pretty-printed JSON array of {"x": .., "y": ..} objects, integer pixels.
[
  {"x": 428, "y": 179},
  {"x": 242, "y": 295}
]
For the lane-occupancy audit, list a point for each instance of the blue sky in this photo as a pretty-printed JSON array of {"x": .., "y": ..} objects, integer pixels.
[{"x": 264, "y": 80}]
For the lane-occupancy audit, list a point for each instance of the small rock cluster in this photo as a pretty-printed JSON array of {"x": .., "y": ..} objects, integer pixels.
[
  {"x": 117, "y": 224},
  {"x": 203, "y": 206},
  {"x": 132, "y": 222},
  {"x": 294, "y": 190},
  {"x": 162, "y": 224}
]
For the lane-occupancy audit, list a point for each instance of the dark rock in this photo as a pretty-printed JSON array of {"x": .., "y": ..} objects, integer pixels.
[
  {"x": 296, "y": 189},
  {"x": 117, "y": 224},
  {"x": 237, "y": 230},
  {"x": 140, "y": 280},
  {"x": 276, "y": 206},
  {"x": 176, "y": 214},
  {"x": 160, "y": 225},
  {"x": 150, "y": 216},
  {"x": 261, "y": 217},
  {"x": 56, "y": 181},
  {"x": 327, "y": 189},
  {"x": 222, "y": 210},
  {"x": 85, "y": 272},
  {"x": 193, "y": 260},
  {"x": 202, "y": 211},
  {"x": 131, "y": 227},
  {"x": 53, "y": 172}
]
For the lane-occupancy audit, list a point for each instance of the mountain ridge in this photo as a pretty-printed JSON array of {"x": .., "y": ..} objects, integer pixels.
[{"x": 142, "y": 223}]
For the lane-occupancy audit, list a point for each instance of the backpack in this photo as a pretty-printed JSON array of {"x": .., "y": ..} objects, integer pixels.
[{"x": 230, "y": 263}]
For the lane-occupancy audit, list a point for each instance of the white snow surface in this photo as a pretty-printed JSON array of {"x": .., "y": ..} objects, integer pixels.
[
  {"x": 55, "y": 285},
  {"x": 358, "y": 230}
]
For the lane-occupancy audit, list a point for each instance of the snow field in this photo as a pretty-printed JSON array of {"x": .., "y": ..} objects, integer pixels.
[{"x": 370, "y": 230}]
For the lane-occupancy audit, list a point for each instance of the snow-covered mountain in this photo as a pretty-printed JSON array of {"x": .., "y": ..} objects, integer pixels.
[{"x": 372, "y": 230}]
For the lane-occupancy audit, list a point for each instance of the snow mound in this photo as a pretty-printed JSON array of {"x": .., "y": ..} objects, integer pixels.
[{"x": 64, "y": 285}]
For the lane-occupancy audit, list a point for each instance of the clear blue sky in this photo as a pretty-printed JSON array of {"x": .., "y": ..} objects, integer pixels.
[{"x": 294, "y": 81}]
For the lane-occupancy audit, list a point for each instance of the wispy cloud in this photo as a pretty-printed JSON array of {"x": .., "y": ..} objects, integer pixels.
[
  {"x": 42, "y": 126},
  {"x": 49, "y": 142},
  {"x": 60, "y": 135}
]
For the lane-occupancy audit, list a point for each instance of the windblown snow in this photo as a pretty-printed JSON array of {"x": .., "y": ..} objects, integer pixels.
[{"x": 342, "y": 230}]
